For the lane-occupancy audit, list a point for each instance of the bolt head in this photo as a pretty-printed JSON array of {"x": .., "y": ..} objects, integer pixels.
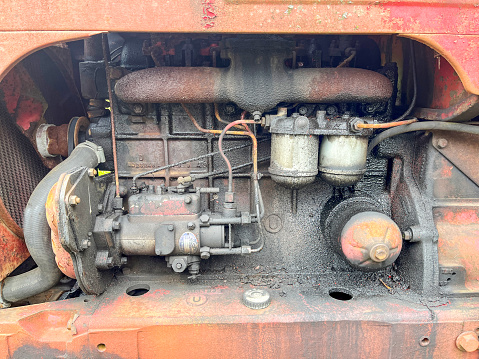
[
  {"x": 92, "y": 172},
  {"x": 74, "y": 200},
  {"x": 204, "y": 218},
  {"x": 442, "y": 142},
  {"x": 85, "y": 244},
  {"x": 116, "y": 226},
  {"x": 467, "y": 342},
  {"x": 191, "y": 226},
  {"x": 379, "y": 253},
  {"x": 138, "y": 108},
  {"x": 171, "y": 227},
  {"x": 188, "y": 199},
  {"x": 205, "y": 255}
]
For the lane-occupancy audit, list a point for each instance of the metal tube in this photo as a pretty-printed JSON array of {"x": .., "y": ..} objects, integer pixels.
[
  {"x": 112, "y": 118},
  {"x": 216, "y": 85}
]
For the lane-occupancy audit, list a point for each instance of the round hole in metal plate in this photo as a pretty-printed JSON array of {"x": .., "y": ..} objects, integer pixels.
[
  {"x": 101, "y": 347},
  {"x": 137, "y": 290},
  {"x": 340, "y": 294},
  {"x": 424, "y": 341}
]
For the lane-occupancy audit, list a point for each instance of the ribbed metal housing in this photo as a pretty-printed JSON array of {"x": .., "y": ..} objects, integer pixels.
[{"x": 20, "y": 165}]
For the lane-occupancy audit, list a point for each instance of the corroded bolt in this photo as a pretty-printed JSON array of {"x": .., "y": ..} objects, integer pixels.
[
  {"x": 191, "y": 226},
  {"x": 407, "y": 234},
  {"x": 74, "y": 200},
  {"x": 137, "y": 108},
  {"x": 441, "y": 143},
  {"x": 379, "y": 253},
  {"x": 85, "y": 244},
  {"x": 467, "y": 342},
  {"x": 92, "y": 172}
]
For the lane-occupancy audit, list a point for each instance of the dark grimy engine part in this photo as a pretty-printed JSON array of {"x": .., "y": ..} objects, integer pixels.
[
  {"x": 167, "y": 222},
  {"x": 295, "y": 145},
  {"x": 256, "y": 80},
  {"x": 37, "y": 231},
  {"x": 342, "y": 159},
  {"x": 359, "y": 230}
]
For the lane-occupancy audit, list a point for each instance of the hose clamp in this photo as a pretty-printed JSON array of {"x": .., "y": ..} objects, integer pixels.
[{"x": 97, "y": 149}]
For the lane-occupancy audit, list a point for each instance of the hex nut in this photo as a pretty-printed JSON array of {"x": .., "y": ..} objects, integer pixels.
[
  {"x": 204, "y": 218},
  {"x": 92, "y": 172},
  {"x": 85, "y": 244},
  {"x": 467, "y": 342},
  {"x": 74, "y": 200},
  {"x": 205, "y": 255},
  {"x": 256, "y": 298},
  {"x": 179, "y": 265}
]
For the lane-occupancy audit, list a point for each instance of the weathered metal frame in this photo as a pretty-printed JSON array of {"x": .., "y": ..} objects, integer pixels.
[{"x": 163, "y": 322}]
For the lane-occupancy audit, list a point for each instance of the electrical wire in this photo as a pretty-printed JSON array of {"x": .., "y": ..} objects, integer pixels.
[
  {"x": 112, "y": 117},
  {"x": 423, "y": 126}
]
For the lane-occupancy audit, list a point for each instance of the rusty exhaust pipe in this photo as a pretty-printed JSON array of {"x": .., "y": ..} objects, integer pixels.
[
  {"x": 253, "y": 90},
  {"x": 256, "y": 80}
]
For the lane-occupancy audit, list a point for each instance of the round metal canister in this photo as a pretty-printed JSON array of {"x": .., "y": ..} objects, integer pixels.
[
  {"x": 371, "y": 241},
  {"x": 294, "y": 159},
  {"x": 342, "y": 159}
]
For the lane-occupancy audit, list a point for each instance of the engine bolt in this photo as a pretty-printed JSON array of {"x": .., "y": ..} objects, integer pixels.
[
  {"x": 379, "y": 253},
  {"x": 204, "y": 218},
  {"x": 467, "y": 342},
  {"x": 116, "y": 226},
  {"x": 191, "y": 226},
  {"x": 123, "y": 260},
  {"x": 205, "y": 255},
  {"x": 442, "y": 142},
  {"x": 85, "y": 244},
  {"x": 171, "y": 227},
  {"x": 100, "y": 208},
  {"x": 188, "y": 199},
  {"x": 138, "y": 108},
  {"x": 179, "y": 265},
  {"x": 74, "y": 200},
  {"x": 92, "y": 172}
]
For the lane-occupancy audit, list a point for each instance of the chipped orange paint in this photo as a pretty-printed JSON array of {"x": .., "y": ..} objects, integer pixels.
[
  {"x": 62, "y": 257},
  {"x": 458, "y": 243}
]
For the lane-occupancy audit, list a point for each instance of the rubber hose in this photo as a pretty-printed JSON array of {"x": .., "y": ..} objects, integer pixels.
[
  {"x": 423, "y": 126},
  {"x": 37, "y": 233}
]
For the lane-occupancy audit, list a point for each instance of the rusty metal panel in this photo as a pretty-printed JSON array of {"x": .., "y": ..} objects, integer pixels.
[{"x": 211, "y": 322}]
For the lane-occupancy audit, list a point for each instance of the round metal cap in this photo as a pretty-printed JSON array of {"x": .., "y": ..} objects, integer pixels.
[{"x": 256, "y": 298}]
